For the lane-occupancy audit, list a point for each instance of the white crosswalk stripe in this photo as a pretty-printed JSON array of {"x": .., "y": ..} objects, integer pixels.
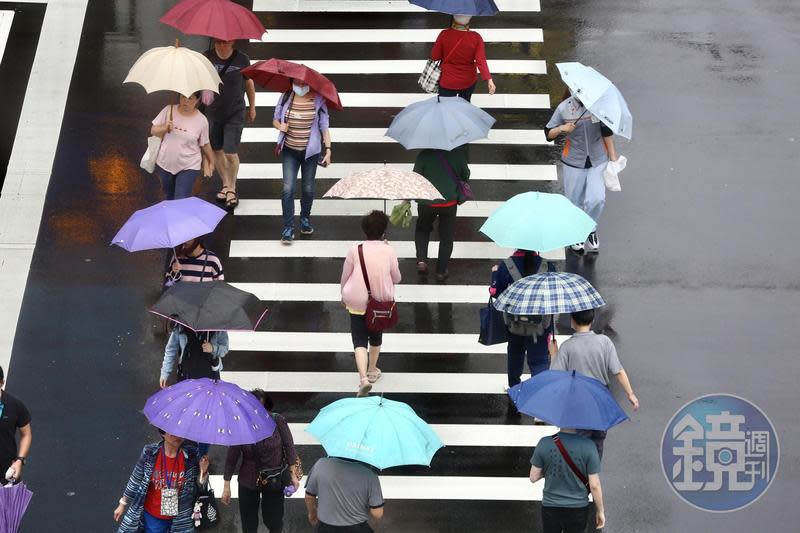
[
  {"x": 251, "y": 171},
  {"x": 378, "y": 135},
  {"x": 401, "y": 35},
  {"x": 398, "y": 100},
  {"x": 334, "y": 207},
  {"x": 413, "y": 66},
  {"x": 372, "y": 6},
  {"x": 331, "y": 292}
]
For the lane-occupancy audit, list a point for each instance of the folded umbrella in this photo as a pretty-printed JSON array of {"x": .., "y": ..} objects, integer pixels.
[
  {"x": 14, "y": 500},
  {"x": 174, "y": 68},
  {"x": 209, "y": 411},
  {"x": 221, "y": 19},
  {"x": 459, "y": 7},
  {"x": 599, "y": 96},
  {"x": 440, "y": 122},
  {"x": 168, "y": 224},
  {"x": 384, "y": 183},
  {"x": 538, "y": 222},
  {"x": 277, "y": 75},
  {"x": 549, "y": 293},
  {"x": 568, "y": 400},
  {"x": 376, "y": 431},
  {"x": 211, "y": 306}
]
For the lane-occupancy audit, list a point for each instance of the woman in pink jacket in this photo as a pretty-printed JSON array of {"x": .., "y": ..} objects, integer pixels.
[{"x": 384, "y": 273}]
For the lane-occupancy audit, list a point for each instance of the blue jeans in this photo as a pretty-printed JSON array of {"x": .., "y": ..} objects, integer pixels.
[
  {"x": 177, "y": 186},
  {"x": 585, "y": 188},
  {"x": 521, "y": 348},
  {"x": 155, "y": 525},
  {"x": 295, "y": 161}
]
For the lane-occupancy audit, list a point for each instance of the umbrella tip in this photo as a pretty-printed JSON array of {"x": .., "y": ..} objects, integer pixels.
[
  {"x": 573, "y": 373},
  {"x": 177, "y": 43}
]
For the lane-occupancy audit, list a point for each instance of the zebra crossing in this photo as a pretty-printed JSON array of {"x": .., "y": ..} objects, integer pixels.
[{"x": 282, "y": 361}]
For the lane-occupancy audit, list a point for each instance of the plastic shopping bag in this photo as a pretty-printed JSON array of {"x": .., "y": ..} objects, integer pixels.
[
  {"x": 151, "y": 154},
  {"x": 611, "y": 173}
]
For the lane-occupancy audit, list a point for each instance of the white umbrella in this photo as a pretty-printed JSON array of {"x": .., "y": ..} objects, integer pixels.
[
  {"x": 384, "y": 183},
  {"x": 173, "y": 68}
]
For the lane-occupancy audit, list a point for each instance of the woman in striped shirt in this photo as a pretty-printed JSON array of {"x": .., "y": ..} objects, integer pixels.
[{"x": 301, "y": 117}]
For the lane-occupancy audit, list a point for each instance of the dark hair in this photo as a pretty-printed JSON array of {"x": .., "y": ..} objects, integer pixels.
[
  {"x": 583, "y": 318},
  {"x": 161, "y": 432},
  {"x": 264, "y": 398},
  {"x": 529, "y": 262},
  {"x": 2, "y": 375},
  {"x": 374, "y": 225},
  {"x": 197, "y": 94}
]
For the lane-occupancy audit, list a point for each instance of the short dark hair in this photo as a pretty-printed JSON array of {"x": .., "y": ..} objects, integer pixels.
[
  {"x": 264, "y": 398},
  {"x": 198, "y": 94},
  {"x": 374, "y": 224},
  {"x": 2, "y": 375},
  {"x": 583, "y": 318}
]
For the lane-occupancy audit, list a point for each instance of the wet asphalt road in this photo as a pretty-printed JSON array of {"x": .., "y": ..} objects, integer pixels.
[{"x": 698, "y": 263}]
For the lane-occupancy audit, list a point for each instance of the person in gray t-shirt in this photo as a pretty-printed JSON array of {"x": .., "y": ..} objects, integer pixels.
[{"x": 341, "y": 495}]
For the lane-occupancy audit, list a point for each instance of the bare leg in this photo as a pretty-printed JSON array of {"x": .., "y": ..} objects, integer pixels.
[
  {"x": 232, "y": 162},
  {"x": 374, "y": 352},
  {"x": 361, "y": 362},
  {"x": 222, "y": 167}
]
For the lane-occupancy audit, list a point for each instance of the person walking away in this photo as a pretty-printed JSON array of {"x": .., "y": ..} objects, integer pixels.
[
  {"x": 589, "y": 145},
  {"x": 570, "y": 467},
  {"x": 198, "y": 355},
  {"x": 14, "y": 418},
  {"x": 185, "y": 148},
  {"x": 259, "y": 460},
  {"x": 302, "y": 120},
  {"x": 160, "y": 493},
  {"x": 194, "y": 262},
  {"x": 383, "y": 270},
  {"x": 595, "y": 356},
  {"x": 226, "y": 114},
  {"x": 342, "y": 495},
  {"x": 442, "y": 169},
  {"x": 461, "y": 51}
]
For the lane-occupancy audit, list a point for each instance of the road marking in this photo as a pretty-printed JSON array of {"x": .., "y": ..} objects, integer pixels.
[
  {"x": 6, "y": 19},
  {"x": 434, "y": 488},
  {"x": 273, "y": 171},
  {"x": 326, "y": 342},
  {"x": 344, "y": 207},
  {"x": 394, "y": 35},
  {"x": 413, "y": 66},
  {"x": 332, "y": 292},
  {"x": 373, "y": 6},
  {"x": 378, "y": 135},
  {"x": 399, "y": 100}
]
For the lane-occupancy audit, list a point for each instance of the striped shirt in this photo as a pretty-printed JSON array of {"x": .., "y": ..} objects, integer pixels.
[
  {"x": 300, "y": 118},
  {"x": 205, "y": 266}
]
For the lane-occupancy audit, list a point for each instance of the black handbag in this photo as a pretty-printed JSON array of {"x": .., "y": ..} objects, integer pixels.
[
  {"x": 493, "y": 326},
  {"x": 206, "y": 511},
  {"x": 273, "y": 479}
]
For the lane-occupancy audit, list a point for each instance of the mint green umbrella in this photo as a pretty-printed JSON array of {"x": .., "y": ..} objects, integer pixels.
[
  {"x": 376, "y": 431},
  {"x": 538, "y": 222}
]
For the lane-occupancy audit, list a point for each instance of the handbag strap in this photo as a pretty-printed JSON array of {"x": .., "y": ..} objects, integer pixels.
[
  {"x": 364, "y": 269},
  {"x": 453, "y": 50},
  {"x": 572, "y": 466},
  {"x": 512, "y": 269},
  {"x": 450, "y": 172}
]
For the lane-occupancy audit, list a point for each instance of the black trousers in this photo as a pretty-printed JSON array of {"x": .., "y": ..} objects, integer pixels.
[
  {"x": 447, "y": 229},
  {"x": 363, "y": 527},
  {"x": 466, "y": 94},
  {"x": 271, "y": 509},
  {"x": 362, "y": 337},
  {"x": 564, "y": 519}
]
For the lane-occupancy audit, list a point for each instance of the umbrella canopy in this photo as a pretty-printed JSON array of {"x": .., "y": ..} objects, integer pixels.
[
  {"x": 277, "y": 75},
  {"x": 459, "y": 7},
  {"x": 440, "y": 122},
  {"x": 374, "y": 430},
  {"x": 599, "y": 96},
  {"x": 385, "y": 183},
  {"x": 211, "y": 306},
  {"x": 568, "y": 400},
  {"x": 221, "y": 19},
  {"x": 548, "y": 293},
  {"x": 209, "y": 411},
  {"x": 168, "y": 224},
  {"x": 539, "y": 222},
  {"x": 14, "y": 500},
  {"x": 174, "y": 68}
]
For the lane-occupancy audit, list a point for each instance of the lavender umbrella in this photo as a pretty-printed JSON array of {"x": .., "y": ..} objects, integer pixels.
[
  {"x": 14, "y": 500},
  {"x": 168, "y": 224},
  {"x": 212, "y": 411}
]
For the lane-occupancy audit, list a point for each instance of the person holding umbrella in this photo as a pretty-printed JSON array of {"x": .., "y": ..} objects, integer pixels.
[
  {"x": 193, "y": 262},
  {"x": 460, "y": 51},
  {"x": 198, "y": 355}
]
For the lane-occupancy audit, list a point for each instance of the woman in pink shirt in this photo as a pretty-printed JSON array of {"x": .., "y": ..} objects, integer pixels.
[
  {"x": 384, "y": 273},
  {"x": 184, "y": 141}
]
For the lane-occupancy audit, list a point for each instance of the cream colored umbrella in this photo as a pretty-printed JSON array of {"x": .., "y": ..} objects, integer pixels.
[
  {"x": 385, "y": 183},
  {"x": 174, "y": 68}
]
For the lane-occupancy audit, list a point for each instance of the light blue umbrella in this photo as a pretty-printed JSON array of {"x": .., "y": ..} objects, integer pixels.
[
  {"x": 599, "y": 96},
  {"x": 443, "y": 122},
  {"x": 549, "y": 293},
  {"x": 376, "y": 431},
  {"x": 538, "y": 222},
  {"x": 459, "y": 7}
]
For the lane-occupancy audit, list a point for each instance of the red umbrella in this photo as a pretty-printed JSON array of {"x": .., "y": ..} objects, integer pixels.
[
  {"x": 277, "y": 75},
  {"x": 221, "y": 19}
]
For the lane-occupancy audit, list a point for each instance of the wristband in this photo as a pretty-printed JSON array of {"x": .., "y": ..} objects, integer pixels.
[{"x": 22, "y": 459}]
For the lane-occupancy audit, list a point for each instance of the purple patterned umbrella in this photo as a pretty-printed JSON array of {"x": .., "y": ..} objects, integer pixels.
[
  {"x": 211, "y": 411},
  {"x": 168, "y": 224},
  {"x": 14, "y": 500}
]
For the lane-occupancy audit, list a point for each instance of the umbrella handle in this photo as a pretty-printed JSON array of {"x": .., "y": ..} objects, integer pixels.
[{"x": 585, "y": 109}]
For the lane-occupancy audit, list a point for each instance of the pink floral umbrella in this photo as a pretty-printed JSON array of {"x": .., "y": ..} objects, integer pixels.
[{"x": 384, "y": 183}]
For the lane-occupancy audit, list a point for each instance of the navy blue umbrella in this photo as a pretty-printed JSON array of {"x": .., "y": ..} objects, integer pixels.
[{"x": 482, "y": 8}]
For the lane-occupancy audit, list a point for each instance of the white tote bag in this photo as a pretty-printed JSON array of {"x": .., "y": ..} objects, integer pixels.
[
  {"x": 611, "y": 173},
  {"x": 150, "y": 156}
]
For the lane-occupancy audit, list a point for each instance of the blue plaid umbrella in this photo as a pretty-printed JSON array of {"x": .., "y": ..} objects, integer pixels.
[{"x": 549, "y": 293}]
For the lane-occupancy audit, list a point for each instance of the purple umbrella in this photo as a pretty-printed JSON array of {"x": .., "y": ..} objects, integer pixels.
[
  {"x": 212, "y": 411},
  {"x": 168, "y": 224},
  {"x": 14, "y": 500}
]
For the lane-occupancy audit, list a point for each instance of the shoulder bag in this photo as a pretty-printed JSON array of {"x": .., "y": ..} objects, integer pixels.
[
  {"x": 463, "y": 190},
  {"x": 572, "y": 466},
  {"x": 150, "y": 156},
  {"x": 273, "y": 479},
  {"x": 379, "y": 315},
  {"x": 432, "y": 73}
]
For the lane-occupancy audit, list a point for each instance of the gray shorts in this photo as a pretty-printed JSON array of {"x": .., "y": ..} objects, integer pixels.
[{"x": 226, "y": 134}]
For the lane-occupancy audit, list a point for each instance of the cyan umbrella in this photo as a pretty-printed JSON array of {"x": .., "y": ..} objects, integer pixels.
[
  {"x": 376, "y": 431},
  {"x": 538, "y": 222},
  {"x": 441, "y": 122},
  {"x": 599, "y": 96},
  {"x": 568, "y": 400},
  {"x": 459, "y": 7},
  {"x": 548, "y": 293}
]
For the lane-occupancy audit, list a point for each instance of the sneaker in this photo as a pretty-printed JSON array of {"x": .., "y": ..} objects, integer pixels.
[
  {"x": 443, "y": 275},
  {"x": 287, "y": 236},
  {"x": 422, "y": 268},
  {"x": 577, "y": 248},
  {"x": 305, "y": 226},
  {"x": 592, "y": 243}
]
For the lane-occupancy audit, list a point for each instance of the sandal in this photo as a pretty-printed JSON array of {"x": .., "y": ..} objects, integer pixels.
[
  {"x": 231, "y": 203},
  {"x": 222, "y": 194},
  {"x": 364, "y": 387},
  {"x": 374, "y": 376}
]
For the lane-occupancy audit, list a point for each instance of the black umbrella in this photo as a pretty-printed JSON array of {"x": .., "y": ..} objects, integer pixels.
[{"x": 210, "y": 306}]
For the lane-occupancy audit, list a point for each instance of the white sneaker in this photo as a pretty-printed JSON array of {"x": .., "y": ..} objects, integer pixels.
[
  {"x": 577, "y": 248},
  {"x": 592, "y": 243}
]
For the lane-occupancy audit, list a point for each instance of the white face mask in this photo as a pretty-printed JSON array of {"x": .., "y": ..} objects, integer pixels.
[
  {"x": 300, "y": 91},
  {"x": 462, "y": 19}
]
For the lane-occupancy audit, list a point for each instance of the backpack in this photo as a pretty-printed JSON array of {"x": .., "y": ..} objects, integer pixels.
[{"x": 524, "y": 325}]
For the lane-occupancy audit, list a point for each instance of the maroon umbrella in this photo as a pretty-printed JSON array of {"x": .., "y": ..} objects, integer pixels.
[
  {"x": 277, "y": 75},
  {"x": 221, "y": 19}
]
